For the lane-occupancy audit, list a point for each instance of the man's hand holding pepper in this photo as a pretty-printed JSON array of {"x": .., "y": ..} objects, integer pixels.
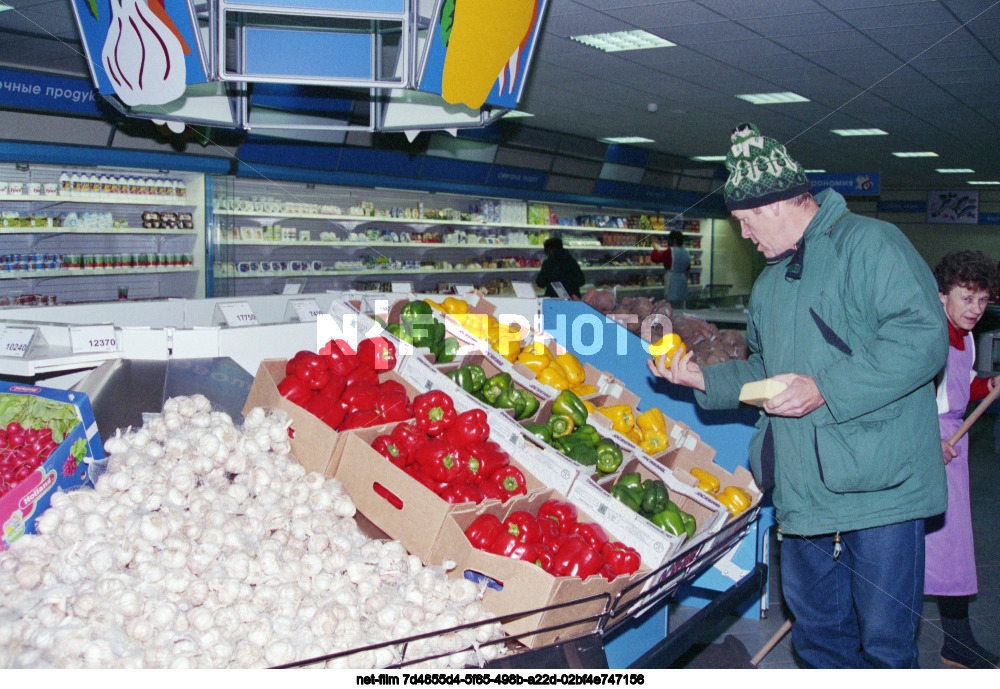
[
  {"x": 798, "y": 399},
  {"x": 679, "y": 371}
]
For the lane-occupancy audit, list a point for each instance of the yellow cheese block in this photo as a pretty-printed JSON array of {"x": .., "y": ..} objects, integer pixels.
[{"x": 760, "y": 391}]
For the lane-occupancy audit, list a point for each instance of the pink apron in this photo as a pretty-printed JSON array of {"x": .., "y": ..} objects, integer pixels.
[{"x": 951, "y": 560}]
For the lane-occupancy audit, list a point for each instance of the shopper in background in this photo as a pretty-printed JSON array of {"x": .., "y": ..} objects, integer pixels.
[
  {"x": 676, "y": 261},
  {"x": 966, "y": 280},
  {"x": 846, "y": 314},
  {"x": 559, "y": 266}
]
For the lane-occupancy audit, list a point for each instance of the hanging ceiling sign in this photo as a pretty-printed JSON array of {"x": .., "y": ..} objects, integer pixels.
[
  {"x": 847, "y": 183},
  {"x": 479, "y": 51}
]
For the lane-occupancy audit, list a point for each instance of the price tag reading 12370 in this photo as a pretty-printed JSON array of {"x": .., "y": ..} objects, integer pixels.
[
  {"x": 14, "y": 342},
  {"x": 92, "y": 338}
]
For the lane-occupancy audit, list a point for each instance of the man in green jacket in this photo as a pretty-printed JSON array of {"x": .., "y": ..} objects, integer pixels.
[{"x": 846, "y": 314}]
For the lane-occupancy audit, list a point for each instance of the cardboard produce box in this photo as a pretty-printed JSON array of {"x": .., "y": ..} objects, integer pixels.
[
  {"x": 313, "y": 442},
  {"x": 66, "y": 468},
  {"x": 514, "y": 586}
]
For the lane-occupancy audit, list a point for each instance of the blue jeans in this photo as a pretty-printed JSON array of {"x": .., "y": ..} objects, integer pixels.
[{"x": 862, "y": 609}]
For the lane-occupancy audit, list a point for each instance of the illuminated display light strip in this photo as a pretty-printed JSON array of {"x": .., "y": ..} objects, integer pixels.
[
  {"x": 623, "y": 40},
  {"x": 772, "y": 98},
  {"x": 859, "y": 132}
]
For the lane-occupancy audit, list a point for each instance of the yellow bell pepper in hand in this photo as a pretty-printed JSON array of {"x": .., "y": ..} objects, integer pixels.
[
  {"x": 621, "y": 417},
  {"x": 655, "y": 442},
  {"x": 536, "y": 362},
  {"x": 667, "y": 345},
  {"x": 453, "y": 305},
  {"x": 584, "y": 389},
  {"x": 652, "y": 420},
  {"x": 552, "y": 376},
  {"x": 706, "y": 481},
  {"x": 571, "y": 368}
]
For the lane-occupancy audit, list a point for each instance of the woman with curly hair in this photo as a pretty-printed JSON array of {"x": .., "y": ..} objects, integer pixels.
[{"x": 966, "y": 281}]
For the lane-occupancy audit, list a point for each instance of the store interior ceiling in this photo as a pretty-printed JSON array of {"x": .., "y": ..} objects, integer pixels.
[{"x": 926, "y": 72}]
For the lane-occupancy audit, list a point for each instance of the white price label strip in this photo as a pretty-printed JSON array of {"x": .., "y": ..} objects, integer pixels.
[
  {"x": 14, "y": 342},
  {"x": 305, "y": 309},
  {"x": 238, "y": 314},
  {"x": 93, "y": 338},
  {"x": 523, "y": 290}
]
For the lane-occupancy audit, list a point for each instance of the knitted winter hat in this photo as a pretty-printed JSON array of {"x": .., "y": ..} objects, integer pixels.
[{"x": 760, "y": 171}]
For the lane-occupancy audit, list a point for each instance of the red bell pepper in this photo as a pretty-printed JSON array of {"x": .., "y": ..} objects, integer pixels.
[
  {"x": 409, "y": 436},
  {"x": 334, "y": 389},
  {"x": 360, "y": 396},
  {"x": 622, "y": 559},
  {"x": 509, "y": 480},
  {"x": 438, "y": 460},
  {"x": 462, "y": 492},
  {"x": 607, "y": 572},
  {"x": 550, "y": 532},
  {"x": 434, "y": 411},
  {"x": 294, "y": 390},
  {"x": 326, "y": 410},
  {"x": 393, "y": 407},
  {"x": 394, "y": 386},
  {"x": 363, "y": 418},
  {"x": 377, "y": 353},
  {"x": 391, "y": 450},
  {"x": 524, "y": 526},
  {"x": 433, "y": 485},
  {"x": 593, "y": 534},
  {"x": 563, "y": 512},
  {"x": 577, "y": 559},
  {"x": 469, "y": 428},
  {"x": 483, "y": 531},
  {"x": 309, "y": 368},
  {"x": 362, "y": 374},
  {"x": 482, "y": 460},
  {"x": 546, "y": 557},
  {"x": 508, "y": 546},
  {"x": 340, "y": 358}
]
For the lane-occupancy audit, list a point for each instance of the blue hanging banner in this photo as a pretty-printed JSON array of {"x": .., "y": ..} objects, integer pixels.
[
  {"x": 989, "y": 218},
  {"x": 847, "y": 183},
  {"x": 30, "y": 91},
  {"x": 901, "y": 206}
]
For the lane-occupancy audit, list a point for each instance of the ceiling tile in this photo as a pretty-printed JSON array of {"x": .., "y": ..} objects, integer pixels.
[
  {"x": 696, "y": 35},
  {"x": 816, "y": 23},
  {"x": 664, "y": 15},
  {"x": 835, "y": 40},
  {"x": 761, "y": 8},
  {"x": 904, "y": 14},
  {"x": 583, "y": 23}
]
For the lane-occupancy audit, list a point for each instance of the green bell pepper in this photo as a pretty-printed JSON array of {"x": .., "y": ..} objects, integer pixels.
[
  {"x": 437, "y": 332},
  {"x": 494, "y": 387},
  {"x": 609, "y": 457},
  {"x": 512, "y": 399},
  {"x": 414, "y": 310},
  {"x": 690, "y": 526},
  {"x": 469, "y": 377},
  {"x": 631, "y": 496},
  {"x": 418, "y": 320},
  {"x": 445, "y": 350},
  {"x": 568, "y": 404},
  {"x": 540, "y": 431},
  {"x": 630, "y": 479},
  {"x": 581, "y": 453},
  {"x": 530, "y": 405},
  {"x": 559, "y": 425},
  {"x": 655, "y": 497},
  {"x": 670, "y": 521},
  {"x": 400, "y": 333},
  {"x": 588, "y": 433}
]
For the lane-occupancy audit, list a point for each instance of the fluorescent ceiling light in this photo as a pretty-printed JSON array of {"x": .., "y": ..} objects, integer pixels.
[
  {"x": 915, "y": 154},
  {"x": 708, "y": 159},
  {"x": 4, "y": 8},
  {"x": 623, "y": 40},
  {"x": 989, "y": 182},
  {"x": 626, "y": 140},
  {"x": 513, "y": 114},
  {"x": 859, "y": 132},
  {"x": 772, "y": 98},
  {"x": 955, "y": 170},
  {"x": 814, "y": 172}
]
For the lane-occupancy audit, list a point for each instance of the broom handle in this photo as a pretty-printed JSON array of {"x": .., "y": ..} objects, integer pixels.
[
  {"x": 964, "y": 428},
  {"x": 771, "y": 643}
]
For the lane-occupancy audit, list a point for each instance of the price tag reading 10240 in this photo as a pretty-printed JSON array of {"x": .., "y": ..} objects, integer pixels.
[
  {"x": 14, "y": 342},
  {"x": 93, "y": 338}
]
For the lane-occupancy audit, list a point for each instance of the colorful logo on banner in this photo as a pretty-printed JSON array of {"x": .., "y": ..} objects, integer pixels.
[
  {"x": 143, "y": 51},
  {"x": 847, "y": 183},
  {"x": 480, "y": 50},
  {"x": 960, "y": 207}
]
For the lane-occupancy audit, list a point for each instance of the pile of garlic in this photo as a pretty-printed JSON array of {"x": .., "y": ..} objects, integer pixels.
[{"x": 205, "y": 545}]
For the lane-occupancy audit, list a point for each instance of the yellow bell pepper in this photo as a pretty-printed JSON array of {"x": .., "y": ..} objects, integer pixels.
[
  {"x": 735, "y": 499},
  {"x": 538, "y": 347},
  {"x": 508, "y": 349},
  {"x": 652, "y": 420},
  {"x": 584, "y": 389},
  {"x": 621, "y": 417},
  {"x": 536, "y": 362},
  {"x": 453, "y": 305},
  {"x": 706, "y": 481},
  {"x": 553, "y": 376},
  {"x": 434, "y": 305},
  {"x": 655, "y": 442},
  {"x": 571, "y": 368},
  {"x": 589, "y": 405},
  {"x": 636, "y": 435},
  {"x": 475, "y": 323},
  {"x": 667, "y": 345}
]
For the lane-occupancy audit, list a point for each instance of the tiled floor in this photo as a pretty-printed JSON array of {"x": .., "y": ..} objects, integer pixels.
[{"x": 984, "y": 609}]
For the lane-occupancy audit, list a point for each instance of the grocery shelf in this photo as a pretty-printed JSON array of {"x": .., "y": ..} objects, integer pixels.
[
  {"x": 114, "y": 200},
  {"x": 414, "y": 245},
  {"x": 86, "y": 272},
  {"x": 401, "y": 271},
  {"x": 78, "y": 230}
]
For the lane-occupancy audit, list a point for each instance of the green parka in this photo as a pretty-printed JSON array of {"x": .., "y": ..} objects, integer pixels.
[{"x": 865, "y": 321}]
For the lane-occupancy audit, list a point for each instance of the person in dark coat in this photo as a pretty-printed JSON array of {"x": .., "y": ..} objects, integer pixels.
[{"x": 559, "y": 266}]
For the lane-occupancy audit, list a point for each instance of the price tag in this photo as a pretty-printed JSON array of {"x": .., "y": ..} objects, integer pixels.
[
  {"x": 303, "y": 309},
  {"x": 92, "y": 338},
  {"x": 293, "y": 286},
  {"x": 236, "y": 314},
  {"x": 15, "y": 342},
  {"x": 560, "y": 291},
  {"x": 462, "y": 289},
  {"x": 402, "y": 287},
  {"x": 524, "y": 290}
]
